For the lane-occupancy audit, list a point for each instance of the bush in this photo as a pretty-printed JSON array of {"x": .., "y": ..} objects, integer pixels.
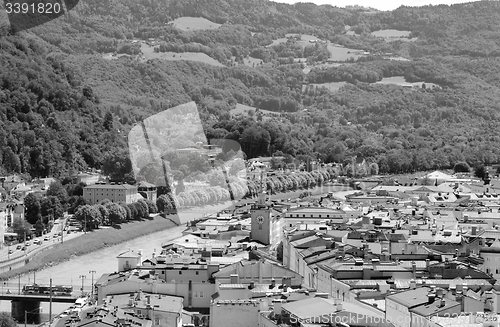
[{"x": 461, "y": 167}]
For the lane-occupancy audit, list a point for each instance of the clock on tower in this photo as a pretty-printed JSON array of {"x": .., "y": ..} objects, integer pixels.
[{"x": 260, "y": 220}]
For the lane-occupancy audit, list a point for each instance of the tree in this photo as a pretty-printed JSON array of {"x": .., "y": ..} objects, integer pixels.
[
  {"x": 236, "y": 167},
  {"x": 117, "y": 213},
  {"x": 118, "y": 167},
  {"x": 6, "y": 320},
  {"x": 461, "y": 167},
  {"x": 51, "y": 208},
  {"x": 480, "y": 171},
  {"x": 21, "y": 227},
  {"x": 180, "y": 187},
  {"x": 133, "y": 211},
  {"x": 11, "y": 161},
  {"x": 128, "y": 213},
  {"x": 142, "y": 208},
  {"x": 32, "y": 208},
  {"x": 108, "y": 121},
  {"x": 279, "y": 252},
  {"x": 104, "y": 214},
  {"x": 39, "y": 227},
  {"x": 164, "y": 203},
  {"x": 151, "y": 206},
  {"x": 58, "y": 190},
  {"x": 75, "y": 202},
  {"x": 89, "y": 216}
]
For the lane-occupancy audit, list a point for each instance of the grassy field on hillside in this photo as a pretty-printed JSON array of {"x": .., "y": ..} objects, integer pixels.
[{"x": 194, "y": 23}]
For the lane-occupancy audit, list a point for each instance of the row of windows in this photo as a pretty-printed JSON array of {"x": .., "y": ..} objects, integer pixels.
[
  {"x": 312, "y": 216},
  {"x": 196, "y": 294},
  {"x": 107, "y": 194},
  {"x": 488, "y": 271},
  {"x": 180, "y": 272}
]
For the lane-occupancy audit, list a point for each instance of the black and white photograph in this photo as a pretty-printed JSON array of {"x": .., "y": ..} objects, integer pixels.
[{"x": 249, "y": 163}]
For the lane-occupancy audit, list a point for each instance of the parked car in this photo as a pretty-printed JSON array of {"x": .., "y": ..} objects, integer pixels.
[
  {"x": 11, "y": 251},
  {"x": 18, "y": 247}
]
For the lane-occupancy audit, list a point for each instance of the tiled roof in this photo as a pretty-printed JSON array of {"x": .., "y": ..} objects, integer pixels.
[{"x": 112, "y": 187}]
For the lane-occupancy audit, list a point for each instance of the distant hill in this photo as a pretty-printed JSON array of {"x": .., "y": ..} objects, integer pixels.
[{"x": 64, "y": 107}]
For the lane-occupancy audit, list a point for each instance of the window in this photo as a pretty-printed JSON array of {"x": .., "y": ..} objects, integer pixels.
[
  {"x": 260, "y": 226},
  {"x": 195, "y": 294},
  {"x": 180, "y": 272},
  {"x": 201, "y": 294},
  {"x": 163, "y": 272},
  {"x": 197, "y": 273}
]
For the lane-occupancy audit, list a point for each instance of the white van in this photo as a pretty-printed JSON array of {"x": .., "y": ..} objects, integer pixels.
[{"x": 37, "y": 242}]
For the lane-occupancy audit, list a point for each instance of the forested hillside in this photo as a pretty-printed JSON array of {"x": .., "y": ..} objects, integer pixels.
[{"x": 65, "y": 108}]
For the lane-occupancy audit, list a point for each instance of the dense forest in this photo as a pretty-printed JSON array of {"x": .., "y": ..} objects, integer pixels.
[{"x": 64, "y": 108}]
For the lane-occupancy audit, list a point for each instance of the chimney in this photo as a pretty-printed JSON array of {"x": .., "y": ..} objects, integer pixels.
[
  {"x": 427, "y": 263},
  {"x": 413, "y": 284},
  {"x": 430, "y": 298},
  {"x": 339, "y": 306},
  {"x": 277, "y": 307},
  {"x": 439, "y": 292},
  {"x": 460, "y": 299},
  {"x": 287, "y": 282},
  {"x": 474, "y": 230},
  {"x": 234, "y": 279},
  {"x": 252, "y": 285},
  {"x": 366, "y": 249},
  {"x": 149, "y": 299},
  {"x": 460, "y": 288},
  {"x": 414, "y": 269},
  {"x": 341, "y": 250},
  {"x": 273, "y": 283},
  {"x": 443, "y": 303}
]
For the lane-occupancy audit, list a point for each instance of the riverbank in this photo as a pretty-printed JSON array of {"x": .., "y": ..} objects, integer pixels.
[{"x": 91, "y": 242}]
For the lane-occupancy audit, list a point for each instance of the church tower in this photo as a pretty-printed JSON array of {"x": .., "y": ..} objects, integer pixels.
[{"x": 261, "y": 220}]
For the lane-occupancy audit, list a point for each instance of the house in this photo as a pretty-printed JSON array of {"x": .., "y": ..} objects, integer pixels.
[
  {"x": 197, "y": 296},
  {"x": 139, "y": 309},
  {"x": 244, "y": 272},
  {"x": 421, "y": 306},
  {"x": 148, "y": 191},
  {"x": 314, "y": 215},
  {"x": 87, "y": 178},
  {"x": 327, "y": 311},
  {"x": 129, "y": 260},
  {"x": 95, "y": 194},
  {"x": 491, "y": 256},
  {"x": 230, "y": 313},
  {"x": 20, "y": 191}
]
